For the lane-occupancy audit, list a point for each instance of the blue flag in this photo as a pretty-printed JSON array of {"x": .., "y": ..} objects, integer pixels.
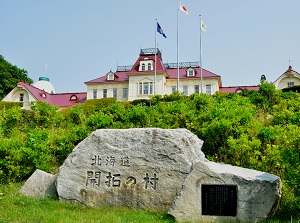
[{"x": 159, "y": 30}]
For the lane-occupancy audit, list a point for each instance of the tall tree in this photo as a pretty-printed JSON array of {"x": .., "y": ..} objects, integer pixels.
[{"x": 10, "y": 75}]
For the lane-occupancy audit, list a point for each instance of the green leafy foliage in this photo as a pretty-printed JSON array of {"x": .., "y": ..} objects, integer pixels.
[
  {"x": 10, "y": 75},
  {"x": 258, "y": 130}
]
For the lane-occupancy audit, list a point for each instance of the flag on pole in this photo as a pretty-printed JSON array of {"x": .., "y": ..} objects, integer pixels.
[
  {"x": 203, "y": 26},
  {"x": 182, "y": 8},
  {"x": 160, "y": 30}
]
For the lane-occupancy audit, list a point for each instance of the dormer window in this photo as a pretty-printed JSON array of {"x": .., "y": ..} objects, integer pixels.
[
  {"x": 190, "y": 72},
  {"x": 239, "y": 90},
  {"x": 146, "y": 64},
  {"x": 110, "y": 77},
  {"x": 43, "y": 95},
  {"x": 73, "y": 97}
]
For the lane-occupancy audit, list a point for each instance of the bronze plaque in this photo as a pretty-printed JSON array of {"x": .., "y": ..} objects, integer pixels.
[{"x": 219, "y": 200}]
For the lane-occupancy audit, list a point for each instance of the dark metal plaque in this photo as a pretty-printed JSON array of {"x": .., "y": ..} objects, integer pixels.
[{"x": 219, "y": 200}]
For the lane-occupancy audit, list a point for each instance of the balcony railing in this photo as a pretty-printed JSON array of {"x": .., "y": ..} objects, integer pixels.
[
  {"x": 181, "y": 64},
  {"x": 150, "y": 51},
  {"x": 124, "y": 68}
]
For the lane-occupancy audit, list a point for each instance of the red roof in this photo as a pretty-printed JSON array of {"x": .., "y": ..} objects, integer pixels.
[
  {"x": 172, "y": 72},
  {"x": 236, "y": 88},
  {"x": 159, "y": 65},
  {"x": 61, "y": 100},
  {"x": 122, "y": 76},
  {"x": 160, "y": 68}
]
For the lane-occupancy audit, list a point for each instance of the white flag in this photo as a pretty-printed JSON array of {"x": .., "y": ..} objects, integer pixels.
[
  {"x": 182, "y": 8},
  {"x": 203, "y": 26}
]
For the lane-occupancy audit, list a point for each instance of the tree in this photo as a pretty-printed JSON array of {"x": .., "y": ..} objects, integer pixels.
[{"x": 10, "y": 76}]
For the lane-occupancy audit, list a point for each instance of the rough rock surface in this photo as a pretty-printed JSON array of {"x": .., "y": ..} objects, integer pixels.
[
  {"x": 258, "y": 193},
  {"x": 39, "y": 185},
  {"x": 140, "y": 168}
]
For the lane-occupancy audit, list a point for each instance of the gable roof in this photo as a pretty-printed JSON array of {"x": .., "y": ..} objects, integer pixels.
[
  {"x": 159, "y": 65},
  {"x": 288, "y": 71},
  {"x": 61, "y": 99},
  {"x": 170, "y": 70}
]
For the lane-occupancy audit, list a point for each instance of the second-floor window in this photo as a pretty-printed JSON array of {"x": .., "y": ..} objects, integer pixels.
[
  {"x": 290, "y": 84},
  {"x": 143, "y": 66},
  {"x": 149, "y": 66}
]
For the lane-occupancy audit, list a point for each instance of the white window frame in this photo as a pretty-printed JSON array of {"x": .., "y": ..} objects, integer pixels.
[
  {"x": 197, "y": 89},
  {"x": 110, "y": 77},
  {"x": 145, "y": 88},
  {"x": 115, "y": 93},
  {"x": 185, "y": 90},
  {"x": 125, "y": 92},
  {"x": 173, "y": 89},
  {"x": 208, "y": 89},
  {"x": 291, "y": 84},
  {"x": 94, "y": 93},
  {"x": 190, "y": 72},
  {"x": 104, "y": 93}
]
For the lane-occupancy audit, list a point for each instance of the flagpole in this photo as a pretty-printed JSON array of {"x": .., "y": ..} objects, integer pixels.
[
  {"x": 177, "y": 46},
  {"x": 155, "y": 57},
  {"x": 200, "y": 44}
]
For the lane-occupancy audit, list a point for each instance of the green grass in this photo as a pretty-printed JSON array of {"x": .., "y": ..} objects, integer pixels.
[{"x": 17, "y": 208}]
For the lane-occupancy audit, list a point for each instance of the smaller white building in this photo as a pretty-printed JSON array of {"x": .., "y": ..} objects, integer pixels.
[
  {"x": 43, "y": 91},
  {"x": 289, "y": 78}
]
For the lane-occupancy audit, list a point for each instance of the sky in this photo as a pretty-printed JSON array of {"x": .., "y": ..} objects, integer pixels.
[{"x": 83, "y": 40}]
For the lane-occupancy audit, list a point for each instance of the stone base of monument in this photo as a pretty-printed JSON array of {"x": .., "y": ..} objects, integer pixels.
[
  {"x": 215, "y": 192},
  {"x": 164, "y": 169},
  {"x": 39, "y": 185}
]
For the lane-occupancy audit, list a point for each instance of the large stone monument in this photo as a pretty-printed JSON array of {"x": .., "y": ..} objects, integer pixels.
[
  {"x": 140, "y": 168},
  {"x": 164, "y": 169}
]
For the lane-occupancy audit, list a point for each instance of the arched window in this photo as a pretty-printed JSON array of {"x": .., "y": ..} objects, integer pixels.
[
  {"x": 143, "y": 66},
  {"x": 73, "y": 97},
  {"x": 149, "y": 66}
]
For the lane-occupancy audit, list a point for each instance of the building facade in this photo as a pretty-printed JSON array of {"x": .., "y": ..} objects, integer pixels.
[
  {"x": 289, "y": 78},
  {"x": 43, "y": 90},
  {"x": 149, "y": 76}
]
